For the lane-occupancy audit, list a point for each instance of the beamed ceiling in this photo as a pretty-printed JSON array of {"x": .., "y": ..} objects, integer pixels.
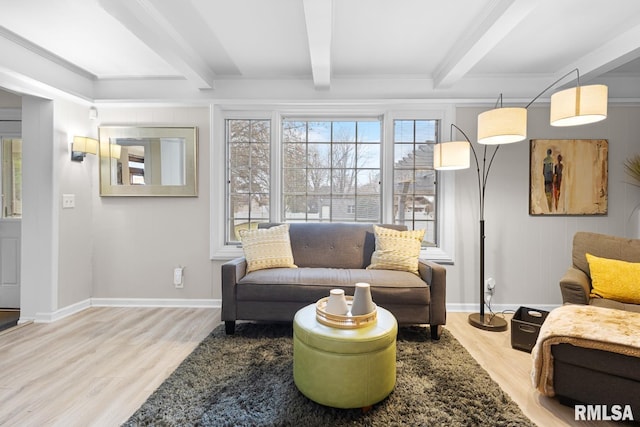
[{"x": 197, "y": 50}]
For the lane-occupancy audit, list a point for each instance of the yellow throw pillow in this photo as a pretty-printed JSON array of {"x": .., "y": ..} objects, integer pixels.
[
  {"x": 267, "y": 248},
  {"x": 396, "y": 250},
  {"x": 614, "y": 279}
]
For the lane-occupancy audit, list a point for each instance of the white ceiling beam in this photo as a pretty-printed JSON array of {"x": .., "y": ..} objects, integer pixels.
[
  {"x": 155, "y": 30},
  {"x": 502, "y": 17},
  {"x": 318, "y": 16},
  {"x": 29, "y": 69},
  {"x": 610, "y": 55}
]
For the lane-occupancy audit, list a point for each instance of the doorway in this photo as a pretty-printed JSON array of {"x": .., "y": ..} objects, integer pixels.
[{"x": 10, "y": 215}]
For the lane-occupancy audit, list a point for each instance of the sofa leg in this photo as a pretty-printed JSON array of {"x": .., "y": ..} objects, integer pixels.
[
  {"x": 436, "y": 331},
  {"x": 230, "y": 327}
]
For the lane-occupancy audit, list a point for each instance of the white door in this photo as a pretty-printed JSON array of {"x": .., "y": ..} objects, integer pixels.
[{"x": 10, "y": 263}]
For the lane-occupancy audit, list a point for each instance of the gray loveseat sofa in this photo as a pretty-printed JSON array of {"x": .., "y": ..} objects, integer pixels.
[{"x": 329, "y": 256}]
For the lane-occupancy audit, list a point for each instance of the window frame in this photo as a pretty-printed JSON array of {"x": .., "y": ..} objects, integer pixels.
[{"x": 387, "y": 111}]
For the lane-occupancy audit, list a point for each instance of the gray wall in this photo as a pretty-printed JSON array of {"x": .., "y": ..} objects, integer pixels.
[
  {"x": 127, "y": 247},
  {"x": 139, "y": 240},
  {"x": 527, "y": 255}
]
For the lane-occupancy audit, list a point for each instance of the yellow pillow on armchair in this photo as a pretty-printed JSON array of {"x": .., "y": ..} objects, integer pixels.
[{"x": 614, "y": 279}]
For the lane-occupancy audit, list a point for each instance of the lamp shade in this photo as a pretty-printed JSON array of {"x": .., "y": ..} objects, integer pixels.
[
  {"x": 110, "y": 150},
  {"x": 579, "y": 105},
  {"x": 85, "y": 144},
  {"x": 451, "y": 155},
  {"x": 502, "y": 126}
]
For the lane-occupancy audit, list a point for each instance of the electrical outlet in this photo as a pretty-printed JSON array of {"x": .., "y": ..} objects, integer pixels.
[
  {"x": 68, "y": 201},
  {"x": 178, "y": 277},
  {"x": 490, "y": 286}
]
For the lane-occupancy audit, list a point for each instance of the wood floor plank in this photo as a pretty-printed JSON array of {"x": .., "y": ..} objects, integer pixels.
[
  {"x": 511, "y": 369},
  {"x": 97, "y": 367}
]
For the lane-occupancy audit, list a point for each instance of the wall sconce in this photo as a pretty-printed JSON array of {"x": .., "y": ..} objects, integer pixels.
[
  {"x": 570, "y": 107},
  {"x": 82, "y": 145}
]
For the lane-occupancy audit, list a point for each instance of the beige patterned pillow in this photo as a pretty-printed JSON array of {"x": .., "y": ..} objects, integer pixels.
[
  {"x": 396, "y": 250},
  {"x": 267, "y": 248}
]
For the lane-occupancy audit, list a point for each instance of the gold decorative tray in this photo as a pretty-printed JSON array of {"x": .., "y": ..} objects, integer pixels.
[{"x": 342, "y": 321}]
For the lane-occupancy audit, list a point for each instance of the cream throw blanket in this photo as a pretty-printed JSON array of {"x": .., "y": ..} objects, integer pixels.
[{"x": 617, "y": 331}]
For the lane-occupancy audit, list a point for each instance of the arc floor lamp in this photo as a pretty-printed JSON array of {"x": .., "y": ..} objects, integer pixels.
[{"x": 570, "y": 107}]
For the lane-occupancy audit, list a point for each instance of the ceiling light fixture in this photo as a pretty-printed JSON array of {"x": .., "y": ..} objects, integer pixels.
[{"x": 570, "y": 107}]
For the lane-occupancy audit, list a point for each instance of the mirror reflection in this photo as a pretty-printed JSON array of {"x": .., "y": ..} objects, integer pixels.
[{"x": 144, "y": 161}]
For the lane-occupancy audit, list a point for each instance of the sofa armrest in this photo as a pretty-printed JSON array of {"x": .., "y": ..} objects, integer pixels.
[
  {"x": 436, "y": 277},
  {"x": 575, "y": 286},
  {"x": 232, "y": 271}
]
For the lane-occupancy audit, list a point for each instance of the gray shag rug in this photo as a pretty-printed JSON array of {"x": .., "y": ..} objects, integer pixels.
[{"x": 246, "y": 379}]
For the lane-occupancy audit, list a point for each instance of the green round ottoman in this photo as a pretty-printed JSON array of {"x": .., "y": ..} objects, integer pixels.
[{"x": 344, "y": 368}]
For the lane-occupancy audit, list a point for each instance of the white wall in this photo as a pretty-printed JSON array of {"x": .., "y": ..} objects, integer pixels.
[
  {"x": 39, "y": 246},
  {"x": 75, "y": 243},
  {"x": 139, "y": 240},
  {"x": 527, "y": 255}
]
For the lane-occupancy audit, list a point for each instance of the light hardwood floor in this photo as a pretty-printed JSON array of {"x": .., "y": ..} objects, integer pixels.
[{"x": 97, "y": 367}]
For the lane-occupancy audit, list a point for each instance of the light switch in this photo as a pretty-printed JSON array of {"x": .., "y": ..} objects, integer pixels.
[{"x": 68, "y": 201}]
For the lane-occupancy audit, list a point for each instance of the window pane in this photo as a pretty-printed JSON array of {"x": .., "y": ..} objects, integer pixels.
[
  {"x": 403, "y": 131},
  {"x": 343, "y": 155},
  {"x": 239, "y": 130},
  {"x": 425, "y": 131},
  {"x": 239, "y": 180},
  {"x": 368, "y": 155},
  {"x": 339, "y": 169},
  {"x": 343, "y": 181},
  {"x": 294, "y": 131},
  {"x": 368, "y": 208},
  {"x": 238, "y": 155},
  {"x": 319, "y": 132},
  {"x": 414, "y": 179},
  {"x": 319, "y": 156},
  {"x": 368, "y": 181},
  {"x": 318, "y": 181},
  {"x": 295, "y": 155},
  {"x": 294, "y": 181},
  {"x": 260, "y": 131},
  {"x": 369, "y": 132},
  {"x": 248, "y": 174},
  {"x": 344, "y": 132},
  {"x": 403, "y": 156}
]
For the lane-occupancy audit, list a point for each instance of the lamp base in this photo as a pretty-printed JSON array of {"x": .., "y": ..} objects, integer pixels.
[{"x": 489, "y": 323}]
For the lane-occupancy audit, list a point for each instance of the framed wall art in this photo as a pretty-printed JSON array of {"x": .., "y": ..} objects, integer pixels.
[{"x": 568, "y": 177}]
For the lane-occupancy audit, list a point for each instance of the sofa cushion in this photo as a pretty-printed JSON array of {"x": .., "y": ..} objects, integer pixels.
[
  {"x": 396, "y": 250},
  {"x": 267, "y": 248},
  {"x": 311, "y": 284},
  {"x": 614, "y": 279},
  {"x": 332, "y": 244}
]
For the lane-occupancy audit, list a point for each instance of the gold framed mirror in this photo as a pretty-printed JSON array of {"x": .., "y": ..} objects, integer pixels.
[{"x": 148, "y": 161}]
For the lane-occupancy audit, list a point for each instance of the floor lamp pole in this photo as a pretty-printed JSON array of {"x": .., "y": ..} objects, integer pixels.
[{"x": 488, "y": 322}]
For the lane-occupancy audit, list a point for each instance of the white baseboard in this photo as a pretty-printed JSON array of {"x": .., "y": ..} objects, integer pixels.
[
  {"x": 122, "y": 302},
  {"x": 216, "y": 303},
  {"x": 155, "y": 302},
  {"x": 497, "y": 308},
  {"x": 62, "y": 313}
]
